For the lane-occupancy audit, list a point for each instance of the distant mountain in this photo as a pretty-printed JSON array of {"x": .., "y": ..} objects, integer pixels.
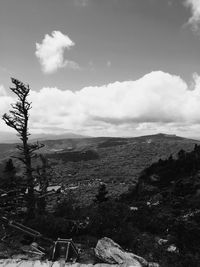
[
  {"x": 7, "y": 137},
  {"x": 40, "y": 137},
  {"x": 161, "y": 136},
  {"x": 158, "y": 144}
]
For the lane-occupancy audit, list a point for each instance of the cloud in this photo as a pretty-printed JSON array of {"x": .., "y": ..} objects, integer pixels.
[
  {"x": 81, "y": 3},
  {"x": 108, "y": 63},
  {"x": 194, "y": 20},
  {"x": 51, "y": 52},
  {"x": 157, "y": 102},
  {"x": 5, "y": 102},
  {"x": 2, "y": 91}
]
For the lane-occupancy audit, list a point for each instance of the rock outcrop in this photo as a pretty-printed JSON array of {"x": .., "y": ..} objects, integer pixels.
[{"x": 110, "y": 252}]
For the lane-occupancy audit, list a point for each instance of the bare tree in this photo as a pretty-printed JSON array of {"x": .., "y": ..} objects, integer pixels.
[{"x": 18, "y": 119}]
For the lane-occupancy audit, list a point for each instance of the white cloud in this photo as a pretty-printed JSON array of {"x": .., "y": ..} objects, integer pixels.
[
  {"x": 5, "y": 102},
  {"x": 51, "y": 52},
  {"x": 2, "y": 91},
  {"x": 194, "y": 6},
  {"x": 157, "y": 102},
  {"x": 81, "y": 3},
  {"x": 108, "y": 63}
]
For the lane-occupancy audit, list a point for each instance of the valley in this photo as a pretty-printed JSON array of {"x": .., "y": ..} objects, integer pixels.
[{"x": 80, "y": 165}]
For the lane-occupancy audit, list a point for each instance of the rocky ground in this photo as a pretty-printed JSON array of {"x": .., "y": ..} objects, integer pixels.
[{"x": 107, "y": 253}]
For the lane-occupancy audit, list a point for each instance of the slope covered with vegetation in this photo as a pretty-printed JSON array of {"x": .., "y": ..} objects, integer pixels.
[
  {"x": 141, "y": 192},
  {"x": 167, "y": 196}
]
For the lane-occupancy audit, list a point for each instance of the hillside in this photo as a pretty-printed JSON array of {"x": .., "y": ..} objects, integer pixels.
[
  {"x": 152, "y": 205},
  {"x": 166, "y": 202},
  {"x": 119, "y": 164},
  {"x": 82, "y": 163}
]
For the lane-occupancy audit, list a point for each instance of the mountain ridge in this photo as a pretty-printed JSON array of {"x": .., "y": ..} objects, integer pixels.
[{"x": 11, "y": 138}]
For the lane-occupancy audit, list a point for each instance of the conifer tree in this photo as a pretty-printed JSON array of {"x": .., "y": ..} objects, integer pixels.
[
  {"x": 9, "y": 180},
  {"x": 18, "y": 119},
  {"x": 102, "y": 194}
]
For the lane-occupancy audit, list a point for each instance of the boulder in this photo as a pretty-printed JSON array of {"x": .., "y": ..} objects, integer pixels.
[
  {"x": 110, "y": 252},
  {"x": 107, "y": 251}
]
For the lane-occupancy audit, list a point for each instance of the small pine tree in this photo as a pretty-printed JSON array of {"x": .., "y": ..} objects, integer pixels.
[
  {"x": 10, "y": 167},
  {"x": 101, "y": 195},
  {"x": 181, "y": 154},
  {"x": 9, "y": 180}
]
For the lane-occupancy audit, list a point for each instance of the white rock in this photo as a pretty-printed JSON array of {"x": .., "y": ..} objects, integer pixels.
[{"x": 109, "y": 251}]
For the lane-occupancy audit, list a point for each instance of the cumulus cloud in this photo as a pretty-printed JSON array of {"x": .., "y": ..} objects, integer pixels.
[
  {"x": 5, "y": 102},
  {"x": 81, "y": 3},
  {"x": 108, "y": 63},
  {"x": 2, "y": 91},
  {"x": 194, "y": 6},
  {"x": 51, "y": 52},
  {"x": 157, "y": 102}
]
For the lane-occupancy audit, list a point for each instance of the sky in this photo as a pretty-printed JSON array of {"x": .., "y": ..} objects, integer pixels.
[{"x": 104, "y": 67}]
